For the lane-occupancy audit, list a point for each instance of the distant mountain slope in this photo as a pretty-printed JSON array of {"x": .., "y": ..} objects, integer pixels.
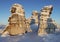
[{"x": 2, "y": 26}]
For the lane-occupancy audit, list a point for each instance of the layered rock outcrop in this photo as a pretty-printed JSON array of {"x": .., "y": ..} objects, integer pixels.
[
  {"x": 34, "y": 18},
  {"x": 44, "y": 19},
  {"x": 17, "y": 21},
  {"x": 18, "y": 24}
]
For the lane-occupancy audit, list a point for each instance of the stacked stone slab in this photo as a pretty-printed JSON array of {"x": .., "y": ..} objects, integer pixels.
[
  {"x": 17, "y": 21},
  {"x": 44, "y": 15}
]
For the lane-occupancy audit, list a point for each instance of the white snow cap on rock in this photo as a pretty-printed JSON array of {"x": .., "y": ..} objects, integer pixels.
[{"x": 49, "y": 6}]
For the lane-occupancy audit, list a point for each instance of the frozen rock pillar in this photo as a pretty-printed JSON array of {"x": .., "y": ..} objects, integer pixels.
[
  {"x": 44, "y": 15},
  {"x": 17, "y": 21}
]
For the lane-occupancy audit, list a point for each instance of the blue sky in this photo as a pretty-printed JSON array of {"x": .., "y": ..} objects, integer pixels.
[{"x": 29, "y": 6}]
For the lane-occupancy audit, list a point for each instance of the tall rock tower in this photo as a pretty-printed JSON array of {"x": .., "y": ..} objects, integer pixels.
[
  {"x": 17, "y": 21},
  {"x": 44, "y": 15}
]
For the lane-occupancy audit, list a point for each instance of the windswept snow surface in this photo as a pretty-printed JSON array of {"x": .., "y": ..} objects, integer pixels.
[{"x": 32, "y": 37}]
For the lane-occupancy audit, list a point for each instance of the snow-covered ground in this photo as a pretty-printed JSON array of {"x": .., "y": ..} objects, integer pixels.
[{"x": 32, "y": 37}]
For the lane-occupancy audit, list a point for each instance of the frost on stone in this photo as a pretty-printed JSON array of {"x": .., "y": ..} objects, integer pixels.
[
  {"x": 46, "y": 25},
  {"x": 17, "y": 21}
]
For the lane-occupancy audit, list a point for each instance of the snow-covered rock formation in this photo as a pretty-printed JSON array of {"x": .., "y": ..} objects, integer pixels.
[
  {"x": 46, "y": 24},
  {"x": 17, "y": 21}
]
